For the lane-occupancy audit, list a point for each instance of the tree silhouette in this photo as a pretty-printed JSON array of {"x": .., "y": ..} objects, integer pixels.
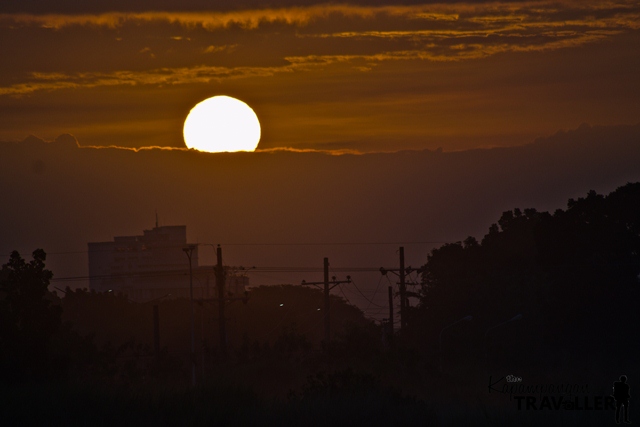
[
  {"x": 28, "y": 320},
  {"x": 572, "y": 274}
]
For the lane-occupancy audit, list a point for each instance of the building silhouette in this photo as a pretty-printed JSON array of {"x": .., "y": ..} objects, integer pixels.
[{"x": 154, "y": 265}]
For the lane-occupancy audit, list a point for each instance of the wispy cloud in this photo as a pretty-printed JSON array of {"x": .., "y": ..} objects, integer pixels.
[
  {"x": 248, "y": 19},
  {"x": 440, "y": 32},
  {"x": 620, "y": 12},
  {"x": 206, "y": 74},
  {"x": 134, "y": 149},
  {"x": 162, "y": 76},
  {"x": 223, "y": 48},
  {"x": 336, "y": 152}
]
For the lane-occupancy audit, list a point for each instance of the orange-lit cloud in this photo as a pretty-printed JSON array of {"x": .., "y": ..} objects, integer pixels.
[
  {"x": 164, "y": 76},
  {"x": 247, "y": 19},
  {"x": 223, "y": 48},
  {"x": 206, "y": 74},
  {"x": 440, "y": 32},
  {"x": 526, "y": 14},
  {"x": 424, "y": 71},
  {"x": 338, "y": 152}
]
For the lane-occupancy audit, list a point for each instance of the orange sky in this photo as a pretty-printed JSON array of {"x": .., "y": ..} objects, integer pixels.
[{"x": 363, "y": 76}]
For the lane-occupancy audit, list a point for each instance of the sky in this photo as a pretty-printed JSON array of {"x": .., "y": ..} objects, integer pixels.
[{"x": 359, "y": 76}]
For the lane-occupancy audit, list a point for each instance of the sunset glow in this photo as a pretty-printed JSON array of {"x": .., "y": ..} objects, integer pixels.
[
  {"x": 361, "y": 76},
  {"x": 312, "y": 212}
]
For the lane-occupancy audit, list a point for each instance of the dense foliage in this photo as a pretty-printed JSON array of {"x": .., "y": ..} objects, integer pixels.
[
  {"x": 28, "y": 320},
  {"x": 573, "y": 276},
  {"x": 542, "y": 295}
]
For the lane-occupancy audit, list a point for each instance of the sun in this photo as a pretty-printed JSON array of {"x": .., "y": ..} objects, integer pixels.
[{"x": 222, "y": 123}]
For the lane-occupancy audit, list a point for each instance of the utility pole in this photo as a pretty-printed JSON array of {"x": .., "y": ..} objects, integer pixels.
[
  {"x": 220, "y": 282},
  {"x": 401, "y": 272},
  {"x": 390, "y": 311},
  {"x": 403, "y": 292},
  {"x": 222, "y": 299},
  {"x": 189, "y": 251},
  {"x": 327, "y": 301},
  {"x": 156, "y": 330}
]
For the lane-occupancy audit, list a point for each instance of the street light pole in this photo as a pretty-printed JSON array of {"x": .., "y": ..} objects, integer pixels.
[
  {"x": 156, "y": 325},
  {"x": 220, "y": 284},
  {"x": 513, "y": 319},
  {"x": 189, "y": 251},
  {"x": 465, "y": 318}
]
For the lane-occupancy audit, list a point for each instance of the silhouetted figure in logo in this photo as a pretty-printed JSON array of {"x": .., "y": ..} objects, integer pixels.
[{"x": 621, "y": 394}]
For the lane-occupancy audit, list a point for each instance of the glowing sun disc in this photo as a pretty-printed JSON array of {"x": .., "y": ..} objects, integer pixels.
[{"x": 222, "y": 123}]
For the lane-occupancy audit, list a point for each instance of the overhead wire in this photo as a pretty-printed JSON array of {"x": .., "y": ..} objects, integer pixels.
[
  {"x": 396, "y": 315},
  {"x": 364, "y": 296},
  {"x": 263, "y": 270},
  {"x": 268, "y": 334},
  {"x": 424, "y": 242},
  {"x": 420, "y": 242},
  {"x": 374, "y": 294},
  {"x": 332, "y": 273}
]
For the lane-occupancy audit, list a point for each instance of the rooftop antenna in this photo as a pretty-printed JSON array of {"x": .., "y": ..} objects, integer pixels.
[{"x": 156, "y": 218}]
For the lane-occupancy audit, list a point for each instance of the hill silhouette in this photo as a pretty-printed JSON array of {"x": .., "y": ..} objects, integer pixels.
[{"x": 572, "y": 277}]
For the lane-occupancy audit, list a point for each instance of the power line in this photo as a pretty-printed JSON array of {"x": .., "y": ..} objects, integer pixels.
[
  {"x": 327, "y": 288},
  {"x": 344, "y": 295},
  {"x": 394, "y": 288},
  {"x": 121, "y": 276},
  {"x": 262, "y": 270},
  {"x": 113, "y": 249},
  {"x": 309, "y": 269},
  {"x": 422, "y": 242},
  {"x": 373, "y": 296}
]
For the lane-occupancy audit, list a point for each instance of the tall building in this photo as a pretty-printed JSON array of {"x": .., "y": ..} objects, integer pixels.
[{"x": 154, "y": 265}]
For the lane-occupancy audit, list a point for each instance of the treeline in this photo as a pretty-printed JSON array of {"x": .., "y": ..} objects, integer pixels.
[
  {"x": 552, "y": 296},
  {"x": 540, "y": 288},
  {"x": 108, "y": 337},
  {"x": 88, "y": 359},
  {"x": 564, "y": 288}
]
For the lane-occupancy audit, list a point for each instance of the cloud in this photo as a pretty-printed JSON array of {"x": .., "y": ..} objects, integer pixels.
[
  {"x": 488, "y": 14},
  {"x": 161, "y": 76},
  {"x": 223, "y": 48},
  {"x": 203, "y": 74},
  {"x": 247, "y": 19},
  {"x": 70, "y": 141},
  {"x": 147, "y": 51},
  {"x": 65, "y": 141},
  {"x": 134, "y": 149},
  {"x": 435, "y": 32},
  {"x": 336, "y": 152}
]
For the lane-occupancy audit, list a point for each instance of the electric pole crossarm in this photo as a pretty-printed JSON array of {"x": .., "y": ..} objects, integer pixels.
[
  {"x": 396, "y": 271},
  {"x": 339, "y": 282},
  {"x": 325, "y": 284},
  {"x": 401, "y": 273},
  {"x": 334, "y": 282},
  {"x": 189, "y": 251}
]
